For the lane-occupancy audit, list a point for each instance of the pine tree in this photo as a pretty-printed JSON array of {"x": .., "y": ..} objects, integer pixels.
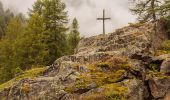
[
  {"x": 5, "y": 16},
  {"x": 30, "y": 48},
  {"x": 2, "y": 22},
  {"x": 147, "y": 10},
  {"x": 14, "y": 28},
  {"x": 54, "y": 19},
  {"x": 7, "y": 60},
  {"x": 39, "y": 42},
  {"x": 36, "y": 8},
  {"x": 74, "y": 36},
  {"x": 165, "y": 9}
]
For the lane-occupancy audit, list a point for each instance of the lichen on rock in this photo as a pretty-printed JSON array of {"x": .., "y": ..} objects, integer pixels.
[{"x": 118, "y": 66}]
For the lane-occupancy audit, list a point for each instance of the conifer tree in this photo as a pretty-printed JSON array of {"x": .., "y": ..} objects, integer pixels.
[
  {"x": 2, "y": 21},
  {"x": 8, "y": 62},
  {"x": 54, "y": 19},
  {"x": 14, "y": 28},
  {"x": 5, "y": 16},
  {"x": 165, "y": 9},
  {"x": 73, "y": 36},
  {"x": 30, "y": 48},
  {"x": 146, "y": 10}
]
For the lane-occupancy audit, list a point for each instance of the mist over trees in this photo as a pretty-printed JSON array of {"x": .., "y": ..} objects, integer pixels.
[
  {"x": 35, "y": 41},
  {"x": 5, "y": 16}
]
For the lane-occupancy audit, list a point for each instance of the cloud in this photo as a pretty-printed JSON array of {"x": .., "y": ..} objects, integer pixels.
[
  {"x": 86, "y": 11},
  {"x": 18, "y": 5}
]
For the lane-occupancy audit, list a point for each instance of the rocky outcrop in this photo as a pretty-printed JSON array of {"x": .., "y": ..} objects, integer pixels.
[
  {"x": 159, "y": 87},
  {"x": 165, "y": 67},
  {"x": 127, "y": 40},
  {"x": 137, "y": 90},
  {"x": 114, "y": 66}
]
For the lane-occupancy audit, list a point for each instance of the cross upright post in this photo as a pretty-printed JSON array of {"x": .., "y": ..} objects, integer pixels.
[{"x": 103, "y": 19}]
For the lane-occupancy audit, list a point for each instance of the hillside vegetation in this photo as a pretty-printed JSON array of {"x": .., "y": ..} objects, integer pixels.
[{"x": 42, "y": 58}]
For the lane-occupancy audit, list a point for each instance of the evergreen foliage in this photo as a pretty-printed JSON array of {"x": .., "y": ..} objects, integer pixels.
[
  {"x": 54, "y": 19},
  {"x": 146, "y": 10},
  {"x": 7, "y": 55},
  {"x": 36, "y": 41},
  {"x": 5, "y": 16},
  {"x": 73, "y": 36}
]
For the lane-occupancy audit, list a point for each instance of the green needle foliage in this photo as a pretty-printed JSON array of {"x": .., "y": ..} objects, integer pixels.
[
  {"x": 54, "y": 19},
  {"x": 146, "y": 10},
  {"x": 5, "y": 16},
  {"x": 36, "y": 41},
  {"x": 73, "y": 36},
  {"x": 7, "y": 58}
]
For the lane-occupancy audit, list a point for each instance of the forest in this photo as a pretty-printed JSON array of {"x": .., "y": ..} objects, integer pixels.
[
  {"x": 43, "y": 55},
  {"x": 42, "y": 37},
  {"x": 36, "y": 41}
]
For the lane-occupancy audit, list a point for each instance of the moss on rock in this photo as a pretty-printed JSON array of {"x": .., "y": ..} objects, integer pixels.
[
  {"x": 27, "y": 74},
  {"x": 100, "y": 73},
  {"x": 108, "y": 92}
]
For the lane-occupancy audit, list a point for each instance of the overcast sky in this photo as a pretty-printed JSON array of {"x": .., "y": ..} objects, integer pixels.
[{"x": 86, "y": 11}]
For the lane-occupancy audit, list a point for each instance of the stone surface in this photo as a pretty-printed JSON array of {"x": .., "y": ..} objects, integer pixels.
[
  {"x": 129, "y": 42},
  {"x": 159, "y": 87},
  {"x": 167, "y": 96},
  {"x": 137, "y": 91},
  {"x": 165, "y": 67}
]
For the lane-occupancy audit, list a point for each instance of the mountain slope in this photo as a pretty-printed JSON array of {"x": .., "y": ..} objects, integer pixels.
[{"x": 118, "y": 66}]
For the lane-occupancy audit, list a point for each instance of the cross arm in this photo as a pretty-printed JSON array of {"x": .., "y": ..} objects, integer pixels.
[
  {"x": 103, "y": 18},
  {"x": 99, "y": 18},
  {"x": 107, "y": 18}
]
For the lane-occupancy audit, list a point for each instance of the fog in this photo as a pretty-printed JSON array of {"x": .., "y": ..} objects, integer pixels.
[{"x": 86, "y": 11}]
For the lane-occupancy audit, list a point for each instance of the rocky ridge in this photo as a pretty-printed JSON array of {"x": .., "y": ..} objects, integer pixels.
[{"x": 118, "y": 66}]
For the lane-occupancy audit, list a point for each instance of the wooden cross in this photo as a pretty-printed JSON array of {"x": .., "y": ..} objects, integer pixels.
[{"x": 103, "y": 19}]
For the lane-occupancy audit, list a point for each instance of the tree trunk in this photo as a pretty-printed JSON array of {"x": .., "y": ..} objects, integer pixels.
[{"x": 153, "y": 10}]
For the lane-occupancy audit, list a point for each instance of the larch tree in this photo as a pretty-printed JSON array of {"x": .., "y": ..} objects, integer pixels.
[
  {"x": 54, "y": 16},
  {"x": 30, "y": 48},
  {"x": 73, "y": 36},
  {"x": 14, "y": 28},
  {"x": 2, "y": 22},
  {"x": 7, "y": 59},
  {"x": 165, "y": 8},
  {"x": 5, "y": 16},
  {"x": 146, "y": 10}
]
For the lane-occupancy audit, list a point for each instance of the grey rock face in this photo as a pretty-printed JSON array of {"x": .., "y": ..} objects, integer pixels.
[
  {"x": 165, "y": 67},
  {"x": 159, "y": 87},
  {"x": 167, "y": 96},
  {"x": 48, "y": 87},
  {"x": 137, "y": 91},
  {"x": 127, "y": 42}
]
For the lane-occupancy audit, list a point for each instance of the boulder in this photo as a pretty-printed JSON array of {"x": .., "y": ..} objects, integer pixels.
[
  {"x": 136, "y": 90},
  {"x": 167, "y": 96},
  {"x": 165, "y": 67},
  {"x": 159, "y": 87},
  {"x": 129, "y": 42},
  {"x": 161, "y": 57}
]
